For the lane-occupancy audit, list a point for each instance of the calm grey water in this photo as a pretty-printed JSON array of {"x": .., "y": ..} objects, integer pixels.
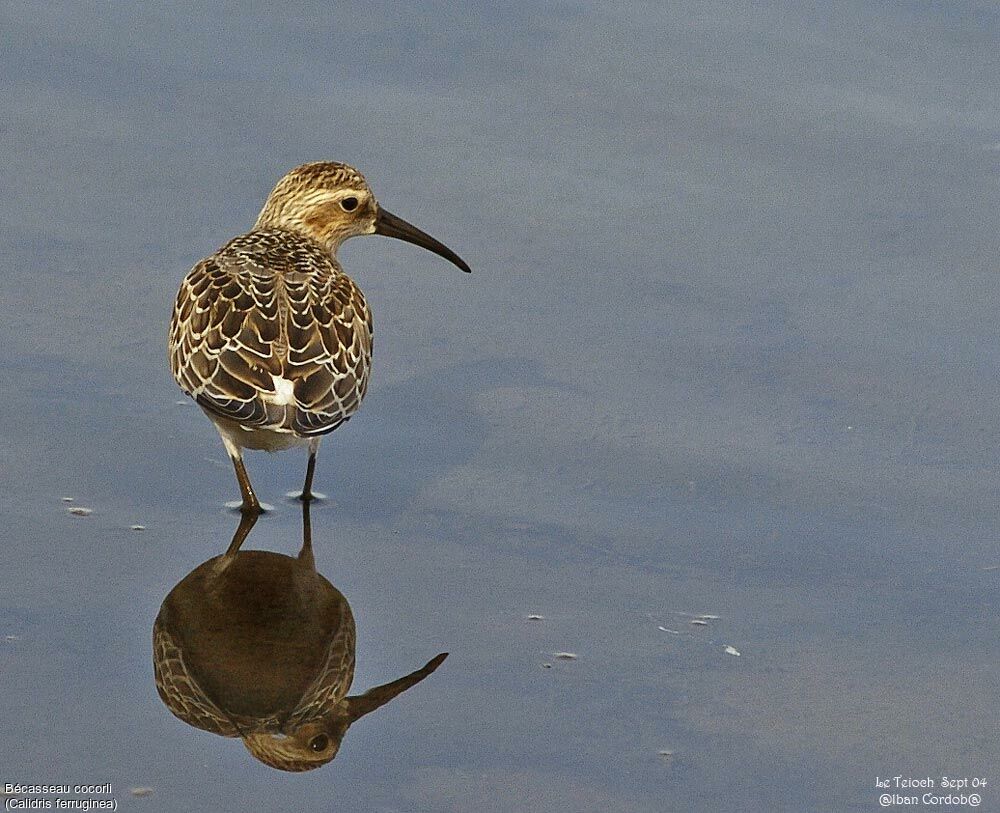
[{"x": 729, "y": 348}]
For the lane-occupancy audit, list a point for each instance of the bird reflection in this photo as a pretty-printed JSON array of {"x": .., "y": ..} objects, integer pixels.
[{"x": 258, "y": 645}]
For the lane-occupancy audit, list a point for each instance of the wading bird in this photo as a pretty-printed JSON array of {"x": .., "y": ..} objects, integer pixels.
[
  {"x": 260, "y": 646},
  {"x": 269, "y": 335}
]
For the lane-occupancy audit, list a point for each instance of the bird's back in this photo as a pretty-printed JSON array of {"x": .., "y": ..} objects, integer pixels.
[{"x": 269, "y": 333}]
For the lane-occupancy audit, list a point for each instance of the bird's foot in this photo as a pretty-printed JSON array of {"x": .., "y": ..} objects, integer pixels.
[
  {"x": 254, "y": 510},
  {"x": 302, "y": 496}
]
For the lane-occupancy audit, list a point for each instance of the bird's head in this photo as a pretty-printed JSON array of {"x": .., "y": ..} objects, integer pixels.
[
  {"x": 307, "y": 742},
  {"x": 331, "y": 202},
  {"x": 310, "y": 745}
]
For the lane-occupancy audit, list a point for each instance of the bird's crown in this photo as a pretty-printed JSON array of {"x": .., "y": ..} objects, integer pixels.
[{"x": 325, "y": 200}]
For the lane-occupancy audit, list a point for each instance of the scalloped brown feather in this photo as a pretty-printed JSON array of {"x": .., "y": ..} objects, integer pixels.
[
  {"x": 272, "y": 303},
  {"x": 180, "y": 691}
]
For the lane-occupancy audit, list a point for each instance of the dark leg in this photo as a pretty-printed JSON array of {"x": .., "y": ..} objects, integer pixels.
[
  {"x": 307, "y": 489},
  {"x": 247, "y": 521},
  {"x": 306, "y": 554},
  {"x": 251, "y": 505}
]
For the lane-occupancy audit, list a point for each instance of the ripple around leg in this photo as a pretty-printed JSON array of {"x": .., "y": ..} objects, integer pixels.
[
  {"x": 296, "y": 496},
  {"x": 237, "y": 506}
]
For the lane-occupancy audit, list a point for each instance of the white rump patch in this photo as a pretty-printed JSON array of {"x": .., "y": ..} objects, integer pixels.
[{"x": 284, "y": 391}]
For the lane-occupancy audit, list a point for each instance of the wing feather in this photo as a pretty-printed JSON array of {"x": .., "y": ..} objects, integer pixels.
[
  {"x": 272, "y": 304},
  {"x": 179, "y": 689}
]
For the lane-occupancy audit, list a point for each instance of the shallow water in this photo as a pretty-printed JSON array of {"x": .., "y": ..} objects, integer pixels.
[{"x": 728, "y": 349}]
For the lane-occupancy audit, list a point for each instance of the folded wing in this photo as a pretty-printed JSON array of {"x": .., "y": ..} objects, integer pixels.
[{"x": 269, "y": 333}]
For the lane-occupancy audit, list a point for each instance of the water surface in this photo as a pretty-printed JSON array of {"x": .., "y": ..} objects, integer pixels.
[{"x": 729, "y": 349}]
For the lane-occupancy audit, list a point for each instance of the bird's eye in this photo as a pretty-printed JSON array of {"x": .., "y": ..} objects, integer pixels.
[
  {"x": 320, "y": 741},
  {"x": 349, "y": 204}
]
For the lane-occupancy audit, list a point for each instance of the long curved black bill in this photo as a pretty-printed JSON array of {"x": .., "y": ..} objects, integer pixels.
[
  {"x": 362, "y": 704},
  {"x": 389, "y": 225}
]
